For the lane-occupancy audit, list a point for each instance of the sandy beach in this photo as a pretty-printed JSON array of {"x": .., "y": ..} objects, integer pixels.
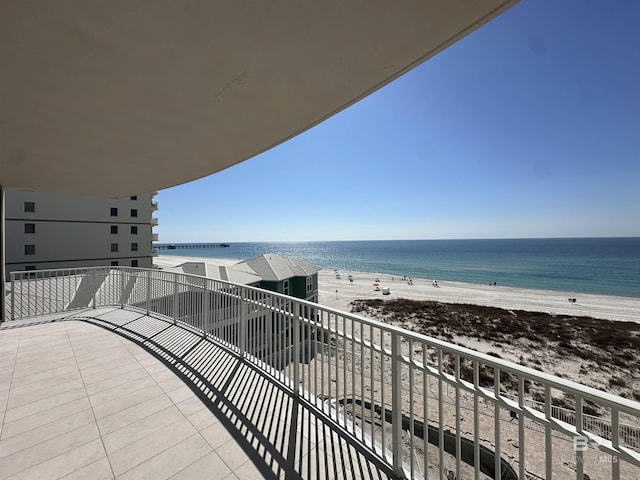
[{"x": 340, "y": 292}]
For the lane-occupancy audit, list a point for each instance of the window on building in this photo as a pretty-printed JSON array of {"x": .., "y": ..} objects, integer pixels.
[
  {"x": 134, "y": 263},
  {"x": 114, "y": 228},
  {"x": 114, "y": 247},
  {"x": 309, "y": 284},
  {"x": 134, "y": 197},
  {"x": 134, "y": 247},
  {"x": 29, "y": 206},
  {"x": 134, "y": 212},
  {"x": 114, "y": 263},
  {"x": 29, "y": 228},
  {"x": 29, "y": 249},
  {"x": 114, "y": 211},
  {"x": 285, "y": 287},
  {"x": 134, "y": 229}
]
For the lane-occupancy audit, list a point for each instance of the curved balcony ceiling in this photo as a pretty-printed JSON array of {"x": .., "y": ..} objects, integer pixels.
[{"x": 111, "y": 98}]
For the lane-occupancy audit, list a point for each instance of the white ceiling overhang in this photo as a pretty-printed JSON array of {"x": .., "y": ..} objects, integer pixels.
[{"x": 111, "y": 98}]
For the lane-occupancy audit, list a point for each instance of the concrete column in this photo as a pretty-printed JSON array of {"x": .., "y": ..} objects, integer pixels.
[{"x": 2, "y": 257}]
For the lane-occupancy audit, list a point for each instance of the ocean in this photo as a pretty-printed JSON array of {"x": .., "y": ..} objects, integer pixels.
[{"x": 605, "y": 266}]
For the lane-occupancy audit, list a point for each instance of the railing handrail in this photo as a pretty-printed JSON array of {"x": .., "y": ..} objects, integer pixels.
[{"x": 599, "y": 396}]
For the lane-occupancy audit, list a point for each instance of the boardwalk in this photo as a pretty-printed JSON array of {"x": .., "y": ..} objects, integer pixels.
[{"x": 180, "y": 246}]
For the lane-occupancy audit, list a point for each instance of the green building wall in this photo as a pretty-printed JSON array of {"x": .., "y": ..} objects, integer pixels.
[{"x": 297, "y": 287}]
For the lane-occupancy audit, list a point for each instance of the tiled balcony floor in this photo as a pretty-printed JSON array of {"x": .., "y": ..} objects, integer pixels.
[{"x": 80, "y": 401}]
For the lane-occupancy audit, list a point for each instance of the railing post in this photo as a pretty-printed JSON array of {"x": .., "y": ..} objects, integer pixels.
[
  {"x": 148, "y": 291},
  {"x": 297, "y": 313},
  {"x": 121, "y": 287},
  {"x": 205, "y": 308},
  {"x": 242, "y": 320},
  {"x": 175, "y": 298},
  {"x": 396, "y": 400},
  {"x": 476, "y": 422},
  {"x": 615, "y": 443},
  {"x": 548, "y": 440},
  {"x": 522, "y": 449},
  {"x": 578, "y": 451},
  {"x": 496, "y": 425},
  {"x": 93, "y": 288},
  {"x": 13, "y": 296}
]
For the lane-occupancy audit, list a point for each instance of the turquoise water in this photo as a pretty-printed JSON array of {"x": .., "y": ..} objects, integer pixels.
[{"x": 607, "y": 266}]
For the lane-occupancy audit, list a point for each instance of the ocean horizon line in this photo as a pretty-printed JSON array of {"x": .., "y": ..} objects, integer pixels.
[{"x": 397, "y": 240}]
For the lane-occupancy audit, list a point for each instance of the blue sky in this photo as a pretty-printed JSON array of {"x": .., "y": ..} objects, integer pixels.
[{"x": 528, "y": 127}]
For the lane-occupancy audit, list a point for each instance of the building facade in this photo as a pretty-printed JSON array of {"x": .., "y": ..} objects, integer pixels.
[
  {"x": 286, "y": 275},
  {"x": 270, "y": 332},
  {"x": 52, "y": 230}
]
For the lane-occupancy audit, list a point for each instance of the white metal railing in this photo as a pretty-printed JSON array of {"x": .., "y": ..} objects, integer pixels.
[{"x": 428, "y": 408}]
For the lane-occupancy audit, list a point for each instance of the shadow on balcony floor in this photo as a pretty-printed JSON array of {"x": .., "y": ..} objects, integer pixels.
[{"x": 282, "y": 437}]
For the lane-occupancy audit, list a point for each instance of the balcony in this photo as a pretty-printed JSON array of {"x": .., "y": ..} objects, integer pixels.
[
  {"x": 154, "y": 221},
  {"x": 155, "y": 252},
  {"x": 154, "y": 237},
  {"x": 154, "y": 206},
  {"x": 300, "y": 389}
]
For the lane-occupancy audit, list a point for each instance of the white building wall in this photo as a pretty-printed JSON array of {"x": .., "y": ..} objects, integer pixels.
[{"x": 65, "y": 231}]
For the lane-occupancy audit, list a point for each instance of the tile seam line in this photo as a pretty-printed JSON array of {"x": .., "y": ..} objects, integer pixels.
[
  {"x": 46, "y": 439},
  {"x": 212, "y": 451},
  {"x": 90, "y": 379},
  {"x": 78, "y": 388},
  {"x": 195, "y": 433},
  {"x": 13, "y": 367},
  {"x": 199, "y": 433},
  {"x": 138, "y": 402},
  {"x": 40, "y": 462},
  {"x": 89, "y": 402},
  {"x": 124, "y": 341},
  {"x": 39, "y": 373},
  {"x": 38, "y": 413},
  {"x": 105, "y": 389},
  {"x": 120, "y": 386},
  {"x": 138, "y": 421}
]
